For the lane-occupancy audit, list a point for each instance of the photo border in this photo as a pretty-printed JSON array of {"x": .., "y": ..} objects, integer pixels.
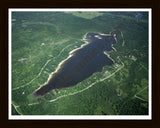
[{"x": 83, "y": 117}]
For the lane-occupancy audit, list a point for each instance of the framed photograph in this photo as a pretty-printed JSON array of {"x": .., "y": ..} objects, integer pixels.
[{"x": 80, "y": 63}]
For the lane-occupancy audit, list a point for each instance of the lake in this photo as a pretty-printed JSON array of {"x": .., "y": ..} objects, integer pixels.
[{"x": 81, "y": 63}]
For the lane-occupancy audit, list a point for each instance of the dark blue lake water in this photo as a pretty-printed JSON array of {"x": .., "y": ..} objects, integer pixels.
[{"x": 82, "y": 63}]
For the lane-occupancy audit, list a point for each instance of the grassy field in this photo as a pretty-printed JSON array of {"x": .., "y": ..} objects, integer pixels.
[{"x": 41, "y": 40}]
